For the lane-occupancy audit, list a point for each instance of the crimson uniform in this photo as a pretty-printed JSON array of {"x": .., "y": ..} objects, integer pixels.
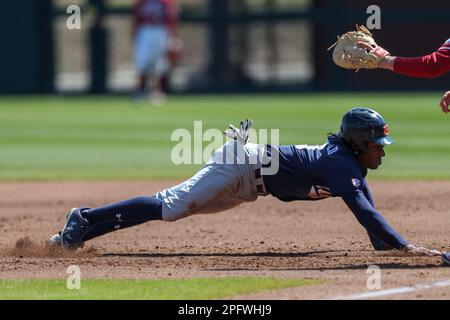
[
  {"x": 159, "y": 12},
  {"x": 432, "y": 65},
  {"x": 154, "y": 26}
]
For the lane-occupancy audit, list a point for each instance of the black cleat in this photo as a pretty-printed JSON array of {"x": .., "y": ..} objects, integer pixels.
[{"x": 74, "y": 230}]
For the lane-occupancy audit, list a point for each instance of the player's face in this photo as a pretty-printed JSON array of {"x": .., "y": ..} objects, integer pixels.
[{"x": 372, "y": 158}]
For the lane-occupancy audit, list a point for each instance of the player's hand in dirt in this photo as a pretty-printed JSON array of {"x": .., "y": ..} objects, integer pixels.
[
  {"x": 418, "y": 250},
  {"x": 445, "y": 102}
]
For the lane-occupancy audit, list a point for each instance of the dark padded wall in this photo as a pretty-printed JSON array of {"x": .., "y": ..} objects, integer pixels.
[{"x": 25, "y": 58}]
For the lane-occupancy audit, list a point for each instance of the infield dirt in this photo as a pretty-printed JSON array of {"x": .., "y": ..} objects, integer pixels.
[{"x": 320, "y": 240}]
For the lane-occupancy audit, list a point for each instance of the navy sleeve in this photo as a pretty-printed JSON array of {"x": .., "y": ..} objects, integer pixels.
[
  {"x": 343, "y": 177},
  {"x": 377, "y": 243},
  {"x": 372, "y": 220},
  {"x": 367, "y": 193}
]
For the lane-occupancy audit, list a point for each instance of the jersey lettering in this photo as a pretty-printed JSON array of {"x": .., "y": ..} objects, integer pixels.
[
  {"x": 332, "y": 149},
  {"x": 319, "y": 192},
  {"x": 308, "y": 147}
]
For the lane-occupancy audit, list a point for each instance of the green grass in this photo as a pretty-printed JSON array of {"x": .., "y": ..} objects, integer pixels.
[
  {"x": 87, "y": 138},
  {"x": 167, "y": 289}
]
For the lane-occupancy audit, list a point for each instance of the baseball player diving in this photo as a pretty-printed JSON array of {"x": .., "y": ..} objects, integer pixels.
[{"x": 240, "y": 172}]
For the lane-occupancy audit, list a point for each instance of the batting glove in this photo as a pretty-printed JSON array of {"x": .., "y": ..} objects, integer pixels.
[
  {"x": 411, "y": 248},
  {"x": 240, "y": 134}
]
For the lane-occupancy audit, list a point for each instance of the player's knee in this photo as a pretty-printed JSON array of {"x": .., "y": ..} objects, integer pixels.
[{"x": 174, "y": 214}]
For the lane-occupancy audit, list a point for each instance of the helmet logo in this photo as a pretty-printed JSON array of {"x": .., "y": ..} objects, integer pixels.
[{"x": 386, "y": 130}]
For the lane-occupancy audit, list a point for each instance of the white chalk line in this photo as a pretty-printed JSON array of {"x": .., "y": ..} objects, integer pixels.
[{"x": 393, "y": 291}]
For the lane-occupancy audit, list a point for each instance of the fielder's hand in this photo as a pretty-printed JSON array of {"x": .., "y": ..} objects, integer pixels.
[
  {"x": 445, "y": 102},
  {"x": 240, "y": 134},
  {"x": 418, "y": 250}
]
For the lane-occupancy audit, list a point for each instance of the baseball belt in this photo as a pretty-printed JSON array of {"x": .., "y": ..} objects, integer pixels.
[{"x": 260, "y": 187}]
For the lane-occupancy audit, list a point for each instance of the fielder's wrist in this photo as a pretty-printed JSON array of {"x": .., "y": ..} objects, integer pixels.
[{"x": 387, "y": 63}]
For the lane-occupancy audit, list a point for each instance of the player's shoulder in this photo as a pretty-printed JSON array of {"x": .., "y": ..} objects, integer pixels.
[{"x": 340, "y": 159}]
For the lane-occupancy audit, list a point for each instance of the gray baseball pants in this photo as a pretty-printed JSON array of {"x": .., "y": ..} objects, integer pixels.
[{"x": 231, "y": 177}]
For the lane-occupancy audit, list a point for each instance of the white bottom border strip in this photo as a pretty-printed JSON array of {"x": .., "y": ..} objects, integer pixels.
[{"x": 393, "y": 291}]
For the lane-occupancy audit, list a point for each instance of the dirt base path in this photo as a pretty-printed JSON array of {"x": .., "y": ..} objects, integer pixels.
[{"x": 320, "y": 240}]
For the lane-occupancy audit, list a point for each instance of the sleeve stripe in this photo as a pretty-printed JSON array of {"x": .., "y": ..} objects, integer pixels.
[{"x": 445, "y": 46}]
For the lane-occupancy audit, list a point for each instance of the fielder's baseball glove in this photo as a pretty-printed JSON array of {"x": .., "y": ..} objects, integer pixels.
[{"x": 357, "y": 50}]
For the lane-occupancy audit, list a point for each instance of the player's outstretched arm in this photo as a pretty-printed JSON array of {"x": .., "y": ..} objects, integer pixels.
[
  {"x": 377, "y": 243},
  {"x": 372, "y": 220},
  {"x": 387, "y": 63},
  {"x": 429, "y": 66},
  {"x": 375, "y": 224}
]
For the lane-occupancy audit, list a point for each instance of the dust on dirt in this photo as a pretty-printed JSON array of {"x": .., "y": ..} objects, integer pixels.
[{"x": 26, "y": 248}]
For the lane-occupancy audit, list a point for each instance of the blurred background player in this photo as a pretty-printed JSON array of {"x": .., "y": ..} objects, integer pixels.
[
  {"x": 156, "y": 47},
  {"x": 432, "y": 65}
]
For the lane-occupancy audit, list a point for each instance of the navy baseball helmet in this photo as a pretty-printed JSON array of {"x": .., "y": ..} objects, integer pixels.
[{"x": 361, "y": 125}]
